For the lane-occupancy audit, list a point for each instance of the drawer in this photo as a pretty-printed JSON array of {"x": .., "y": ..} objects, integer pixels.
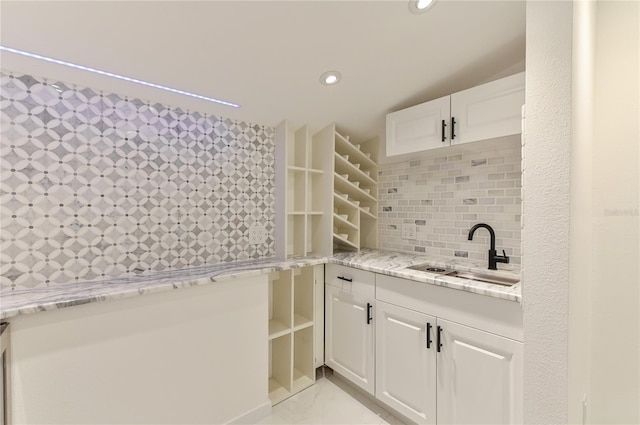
[
  {"x": 494, "y": 315},
  {"x": 350, "y": 279}
]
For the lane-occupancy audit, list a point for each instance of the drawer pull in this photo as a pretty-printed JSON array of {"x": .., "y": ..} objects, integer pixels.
[
  {"x": 453, "y": 128},
  {"x": 444, "y": 135},
  {"x": 346, "y": 279}
]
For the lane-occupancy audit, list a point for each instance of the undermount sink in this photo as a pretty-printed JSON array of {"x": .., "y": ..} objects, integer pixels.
[{"x": 481, "y": 277}]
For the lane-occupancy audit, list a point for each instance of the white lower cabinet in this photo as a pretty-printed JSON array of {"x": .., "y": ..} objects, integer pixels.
[
  {"x": 442, "y": 356},
  {"x": 479, "y": 377},
  {"x": 435, "y": 371},
  {"x": 439, "y": 357},
  {"x": 350, "y": 336},
  {"x": 406, "y": 361},
  {"x": 350, "y": 325}
]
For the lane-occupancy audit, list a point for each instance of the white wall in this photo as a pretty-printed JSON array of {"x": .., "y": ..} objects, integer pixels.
[
  {"x": 196, "y": 355},
  {"x": 581, "y": 247},
  {"x": 581, "y": 242},
  {"x": 615, "y": 349},
  {"x": 545, "y": 234}
]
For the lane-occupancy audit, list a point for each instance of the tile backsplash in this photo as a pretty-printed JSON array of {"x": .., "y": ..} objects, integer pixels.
[
  {"x": 96, "y": 185},
  {"x": 444, "y": 196}
]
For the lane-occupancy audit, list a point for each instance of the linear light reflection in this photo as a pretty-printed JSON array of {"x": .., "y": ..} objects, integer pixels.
[{"x": 120, "y": 77}]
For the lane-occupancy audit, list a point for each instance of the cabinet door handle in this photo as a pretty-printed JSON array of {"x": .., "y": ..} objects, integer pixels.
[
  {"x": 438, "y": 339},
  {"x": 346, "y": 279},
  {"x": 428, "y": 335},
  {"x": 369, "y": 318},
  {"x": 444, "y": 134},
  {"x": 453, "y": 128}
]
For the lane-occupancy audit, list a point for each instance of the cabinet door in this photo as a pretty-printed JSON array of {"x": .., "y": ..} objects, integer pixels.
[
  {"x": 479, "y": 377},
  {"x": 349, "y": 348},
  {"x": 488, "y": 111},
  {"x": 418, "y": 128},
  {"x": 405, "y": 367}
]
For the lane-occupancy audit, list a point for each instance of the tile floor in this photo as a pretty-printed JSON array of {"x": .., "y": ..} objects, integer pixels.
[{"x": 329, "y": 401}]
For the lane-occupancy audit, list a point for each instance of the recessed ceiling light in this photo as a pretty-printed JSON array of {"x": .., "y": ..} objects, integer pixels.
[
  {"x": 420, "y": 6},
  {"x": 120, "y": 77},
  {"x": 330, "y": 78}
]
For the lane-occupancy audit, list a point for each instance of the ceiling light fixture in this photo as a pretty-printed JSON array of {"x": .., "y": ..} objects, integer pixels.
[
  {"x": 420, "y": 6},
  {"x": 330, "y": 78},
  {"x": 120, "y": 77}
]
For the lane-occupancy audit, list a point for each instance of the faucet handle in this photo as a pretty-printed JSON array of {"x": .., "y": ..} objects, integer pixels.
[{"x": 505, "y": 259}]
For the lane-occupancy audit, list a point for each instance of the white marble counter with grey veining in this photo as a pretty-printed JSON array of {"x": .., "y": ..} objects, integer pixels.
[
  {"x": 53, "y": 297},
  {"x": 29, "y": 301},
  {"x": 396, "y": 264}
]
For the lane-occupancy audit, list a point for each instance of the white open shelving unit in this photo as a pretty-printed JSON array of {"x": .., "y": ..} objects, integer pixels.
[
  {"x": 299, "y": 208},
  {"x": 291, "y": 331},
  {"x": 350, "y": 180},
  {"x": 326, "y": 200}
]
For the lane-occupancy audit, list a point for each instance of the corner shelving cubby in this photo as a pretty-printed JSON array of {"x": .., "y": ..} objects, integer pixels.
[{"x": 292, "y": 330}]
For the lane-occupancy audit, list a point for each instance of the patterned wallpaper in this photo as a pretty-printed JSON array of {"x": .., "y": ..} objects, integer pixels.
[
  {"x": 445, "y": 196},
  {"x": 96, "y": 185}
]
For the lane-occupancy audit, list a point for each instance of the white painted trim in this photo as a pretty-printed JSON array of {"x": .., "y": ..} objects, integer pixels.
[{"x": 253, "y": 416}]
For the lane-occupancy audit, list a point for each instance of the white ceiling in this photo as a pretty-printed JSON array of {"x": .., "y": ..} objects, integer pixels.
[{"x": 268, "y": 55}]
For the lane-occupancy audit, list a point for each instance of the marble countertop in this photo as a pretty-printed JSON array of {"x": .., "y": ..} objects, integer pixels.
[
  {"x": 395, "y": 264},
  {"x": 21, "y": 302}
]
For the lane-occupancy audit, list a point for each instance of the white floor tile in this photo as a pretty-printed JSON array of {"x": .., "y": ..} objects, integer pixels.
[{"x": 329, "y": 401}]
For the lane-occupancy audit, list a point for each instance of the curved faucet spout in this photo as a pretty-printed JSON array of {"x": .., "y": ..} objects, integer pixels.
[
  {"x": 494, "y": 258},
  {"x": 491, "y": 233}
]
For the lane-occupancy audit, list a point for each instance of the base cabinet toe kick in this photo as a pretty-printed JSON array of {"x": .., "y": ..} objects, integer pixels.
[{"x": 433, "y": 355}]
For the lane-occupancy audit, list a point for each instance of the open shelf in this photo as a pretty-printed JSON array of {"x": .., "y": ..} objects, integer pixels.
[
  {"x": 367, "y": 213},
  {"x": 280, "y": 372},
  {"x": 345, "y": 147},
  {"x": 303, "y": 281},
  {"x": 277, "y": 392},
  {"x": 303, "y": 361},
  {"x": 295, "y": 189},
  {"x": 297, "y": 148},
  {"x": 343, "y": 166},
  {"x": 345, "y": 243},
  {"x": 277, "y": 329},
  {"x": 301, "y": 184},
  {"x": 292, "y": 331},
  {"x": 315, "y": 192},
  {"x": 296, "y": 236},
  {"x": 300, "y": 381},
  {"x": 280, "y": 298},
  {"x": 357, "y": 193},
  {"x": 341, "y": 221}
]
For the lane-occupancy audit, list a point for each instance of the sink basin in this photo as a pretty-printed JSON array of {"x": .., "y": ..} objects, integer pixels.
[
  {"x": 430, "y": 268},
  {"x": 496, "y": 280},
  {"x": 481, "y": 277}
]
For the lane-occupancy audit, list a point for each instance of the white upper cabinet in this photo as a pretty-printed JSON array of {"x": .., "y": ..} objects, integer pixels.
[
  {"x": 488, "y": 111},
  {"x": 418, "y": 128},
  {"x": 484, "y": 112}
]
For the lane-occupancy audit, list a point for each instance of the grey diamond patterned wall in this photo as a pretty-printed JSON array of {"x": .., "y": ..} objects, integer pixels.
[{"x": 96, "y": 185}]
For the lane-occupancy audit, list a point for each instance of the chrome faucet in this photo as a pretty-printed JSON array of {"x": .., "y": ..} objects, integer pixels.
[{"x": 494, "y": 258}]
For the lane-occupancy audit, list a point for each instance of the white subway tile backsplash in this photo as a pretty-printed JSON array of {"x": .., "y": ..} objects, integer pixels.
[{"x": 447, "y": 195}]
